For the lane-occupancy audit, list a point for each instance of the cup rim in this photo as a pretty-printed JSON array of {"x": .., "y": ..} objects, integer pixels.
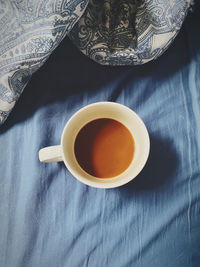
[{"x": 103, "y": 182}]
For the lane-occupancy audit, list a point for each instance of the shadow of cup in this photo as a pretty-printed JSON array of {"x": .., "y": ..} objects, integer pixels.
[{"x": 159, "y": 169}]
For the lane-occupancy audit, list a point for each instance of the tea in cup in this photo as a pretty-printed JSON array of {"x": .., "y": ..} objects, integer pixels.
[{"x": 103, "y": 145}]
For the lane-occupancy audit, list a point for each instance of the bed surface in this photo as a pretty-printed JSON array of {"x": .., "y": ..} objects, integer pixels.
[{"x": 49, "y": 219}]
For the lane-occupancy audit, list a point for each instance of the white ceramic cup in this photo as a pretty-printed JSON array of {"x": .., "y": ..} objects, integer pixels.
[{"x": 65, "y": 151}]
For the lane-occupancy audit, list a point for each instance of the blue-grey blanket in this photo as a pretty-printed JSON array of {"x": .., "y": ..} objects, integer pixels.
[{"x": 49, "y": 219}]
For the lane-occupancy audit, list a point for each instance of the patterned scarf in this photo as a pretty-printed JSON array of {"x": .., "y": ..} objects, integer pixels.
[{"x": 111, "y": 32}]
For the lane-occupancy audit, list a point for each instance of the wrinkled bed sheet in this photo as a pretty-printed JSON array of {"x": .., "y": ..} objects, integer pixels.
[{"x": 49, "y": 219}]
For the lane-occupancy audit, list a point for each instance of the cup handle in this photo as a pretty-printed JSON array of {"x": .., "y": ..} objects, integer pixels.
[{"x": 51, "y": 154}]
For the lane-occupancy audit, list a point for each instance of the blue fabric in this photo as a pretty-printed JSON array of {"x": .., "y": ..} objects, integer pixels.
[{"x": 49, "y": 219}]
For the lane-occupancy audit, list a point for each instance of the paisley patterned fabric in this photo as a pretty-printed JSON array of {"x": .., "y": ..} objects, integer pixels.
[
  {"x": 111, "y": 32},
  {"x": 29, "y": 32},
  {"x": 128, "y": 32}
]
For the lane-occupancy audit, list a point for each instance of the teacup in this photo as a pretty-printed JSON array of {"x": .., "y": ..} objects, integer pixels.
[{"x": 100, "y": 110}]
